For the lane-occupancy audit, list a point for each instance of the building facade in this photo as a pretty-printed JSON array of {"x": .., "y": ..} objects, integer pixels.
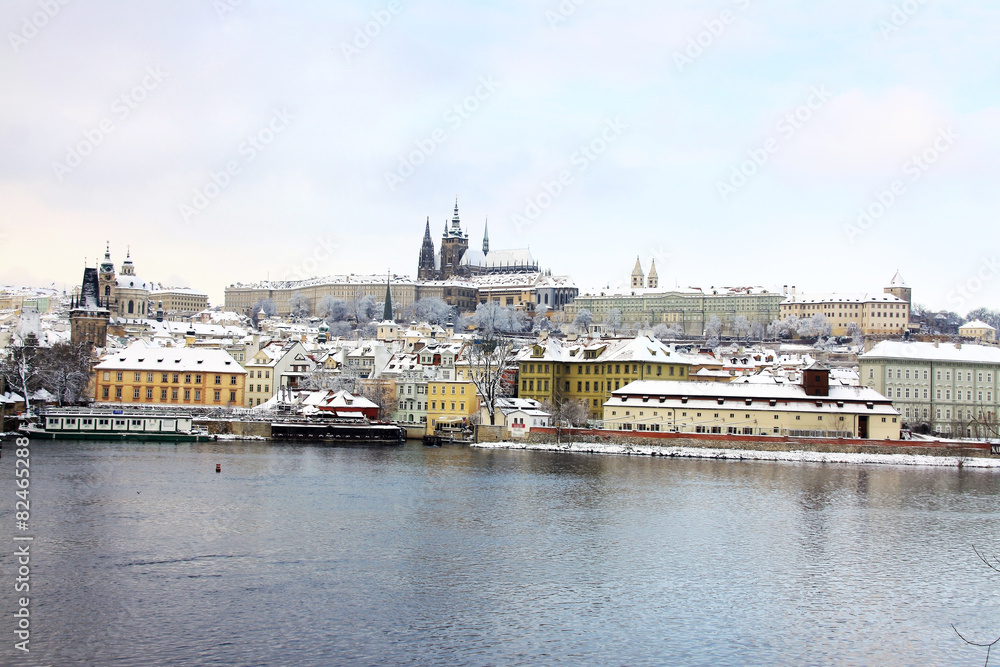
[
  {"x": 143, "y": 374},
  {"x": 752, "y": 409},
  {"x": 949, "y": 388},
  {"x": 589, "y": 371}
]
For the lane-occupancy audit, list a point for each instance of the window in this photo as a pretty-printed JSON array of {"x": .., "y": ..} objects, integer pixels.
[
  {"x": 187, "y": 394},
  {"x": 187, "y": 378},
  {"x": 197, "y": 379},
  {"x": 118, "y": 376},
  {"x": 218, "y": 379},
  {"x": 138, "y": 377},
  {"x": 107, "y": 376},
  {"x": 232, "y": 397},
  {"x": 232, "y": 379},
  {"x": 173, "y": 394},
  {"x": 104, "y": 393},
  {"x": 218, "y": 396},
  {"x": 163, "y": 394},
  {"x": 177, "y": 378},
  {"x": 197, "y": 394}
]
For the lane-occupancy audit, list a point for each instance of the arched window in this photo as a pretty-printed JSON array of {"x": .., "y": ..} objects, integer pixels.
[
  {"x": 131, "y": 307},
  {"x": 107, "y": 290}
]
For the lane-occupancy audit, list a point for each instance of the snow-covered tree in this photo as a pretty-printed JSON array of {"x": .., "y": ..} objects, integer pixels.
[
  {"x": 333, "y": 309},
  {"x": 364, "y": 309},
  {"x": 265, "y": 306},
  {"x": 713, "y": 331},
  {"x": 432, "y": 310},
  {"x": 614, "y": 321},
  {"x": 584, "y": 318},
  {"x": 492, "y": 318},
  {"x": 298, "y": 305},
  {"x": 19, "y": 367},
  {"x": 741, "y": 326},
  {"x": 756, "y": 331}
]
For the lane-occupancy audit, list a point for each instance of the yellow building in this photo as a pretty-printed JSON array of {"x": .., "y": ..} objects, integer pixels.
[
  {"x": 590, "y": 370},
  {"x": 143, "y": 374},
  {"x": 979, "y": 330},
  {"x": 450, "y": 402},
  {"x": 739, "y": 408},
  {"x": 874, "y": 314}
]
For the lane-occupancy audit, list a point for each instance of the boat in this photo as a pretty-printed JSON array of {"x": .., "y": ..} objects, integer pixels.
[
  {"x": 115, "y": 424},
  {"x": 351, "y": 431},
  {"x": 432, "y": 440}
]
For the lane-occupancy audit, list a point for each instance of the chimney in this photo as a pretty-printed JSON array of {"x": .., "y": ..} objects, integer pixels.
[{"x": 937, "y": 343}]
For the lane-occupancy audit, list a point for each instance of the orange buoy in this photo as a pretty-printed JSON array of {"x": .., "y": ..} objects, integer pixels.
[{"x": 218, "y": 467}]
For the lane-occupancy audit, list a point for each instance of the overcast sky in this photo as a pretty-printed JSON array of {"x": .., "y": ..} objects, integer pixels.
[{"x": 733, "y": 141}]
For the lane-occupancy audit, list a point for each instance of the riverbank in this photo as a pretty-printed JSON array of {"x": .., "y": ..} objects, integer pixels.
[{"x": 920, "y": 457}]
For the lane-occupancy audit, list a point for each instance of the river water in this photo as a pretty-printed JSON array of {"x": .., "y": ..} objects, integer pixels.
[{"x": 303, "y": 555}]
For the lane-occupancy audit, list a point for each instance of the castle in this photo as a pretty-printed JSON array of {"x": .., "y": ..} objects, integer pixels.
[{"x": 455, "y": 260}]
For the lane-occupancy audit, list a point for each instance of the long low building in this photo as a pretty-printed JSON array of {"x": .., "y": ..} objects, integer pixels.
[{"x": 811, "y": 409}]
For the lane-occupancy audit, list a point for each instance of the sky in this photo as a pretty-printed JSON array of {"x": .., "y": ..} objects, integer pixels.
[{"x": 820, "y": 144}]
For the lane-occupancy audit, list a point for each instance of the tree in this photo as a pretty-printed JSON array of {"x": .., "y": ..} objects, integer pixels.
[
  {"x": 990, "y": 317},
  {"x": 816, "y": 326},
  {"x": 333, "y": 309},
  {"x": 994, "y": 564},
  {"x": 364, "y": 309},
  {"x": 265, "y": 306},
  {"x": 741, "y": 326},
  {"x": 756, "y": 331},
  {"x": 64, "y": 371},
  {"x": 584, "y": 318},
  {"x": 492, "y": 318},
  {"x": 432, "y": 310},
  {"x": 713, "y": 331},
  {"x": 382, "y": 393},
  {"x": 854, "y": 331},
  {"x": 614, "y": 321},
  {"x": 783, "y": 328},
  {"x": 541, "y": 323},
  {"x": 490, "y": 364},
  {"x": 20, "y": 366},
  {"x": 298, "y": 305}
]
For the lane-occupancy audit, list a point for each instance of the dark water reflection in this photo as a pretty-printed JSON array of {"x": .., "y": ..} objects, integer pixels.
[{"x": 328, "y": 556}]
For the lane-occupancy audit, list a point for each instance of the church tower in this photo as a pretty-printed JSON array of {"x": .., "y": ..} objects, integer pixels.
[
  {"x": 899, "y": 289},
  {"x": 652, "y": 280},
  {"x": 425, "y": 268},
  {"x": 638, "y": 278},
  {"x": 106, "y": 281},
  {"x": 88, "y": 319},
  {"x": 453, "y": 246}
]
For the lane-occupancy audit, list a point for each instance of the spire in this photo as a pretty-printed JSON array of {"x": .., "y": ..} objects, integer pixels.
[
  {"x": 638, "y": 277},
  {"x": 427, "y": 230},
  {"x": 387, "y": 313},
  {"x": 486, "y": 237},
  {"x": 456, "y": 224}
]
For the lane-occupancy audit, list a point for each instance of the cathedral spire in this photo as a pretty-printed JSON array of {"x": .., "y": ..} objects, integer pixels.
[
  {"x": 387, "y": 312},
  {"x": 486, "y": 236}
]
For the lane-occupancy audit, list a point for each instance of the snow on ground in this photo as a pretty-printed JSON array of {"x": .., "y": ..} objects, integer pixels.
[{"x": 753, "y": 455}]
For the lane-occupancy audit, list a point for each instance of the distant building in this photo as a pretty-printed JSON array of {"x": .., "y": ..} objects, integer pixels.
[
  {"x": 953, "y": 388},
  {"x": 178, "y": 301},
  {"x": 813, "y": 408},
  {"x": 455, "y": 259},
  {"x": 979, "y": 330},
  {"x": 126, "y": 294}
]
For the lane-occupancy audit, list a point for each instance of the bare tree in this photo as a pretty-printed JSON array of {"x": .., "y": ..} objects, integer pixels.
[
  {"x": 490, "y": 364},
  {"x": 713, "y": 331},
  {"x": 20, "y": 367},
  {"x": 64, "y": 371},
  {"x": 265, "y": 306},
  {"x": 333, "y": 309},
  {"x": 994, "y": 564},
  {"x": 382, "y": 393},
  {"x": 741, "y": 326}
]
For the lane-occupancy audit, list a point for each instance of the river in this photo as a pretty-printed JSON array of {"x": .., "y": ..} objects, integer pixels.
[{"x": 305, "y": 555}]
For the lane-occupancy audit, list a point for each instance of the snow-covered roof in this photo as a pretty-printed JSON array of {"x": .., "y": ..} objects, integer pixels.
[
  {"x": 897, "y": 280},
  {"x": 711, "y": 392},
  {"x": 843, "y": 297},
  {"x": 498, "y": 259},
  {"x": 976, "y": 324},
  {"x": 144, "y": 356},
  {"x": 905, "y": 351}
]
